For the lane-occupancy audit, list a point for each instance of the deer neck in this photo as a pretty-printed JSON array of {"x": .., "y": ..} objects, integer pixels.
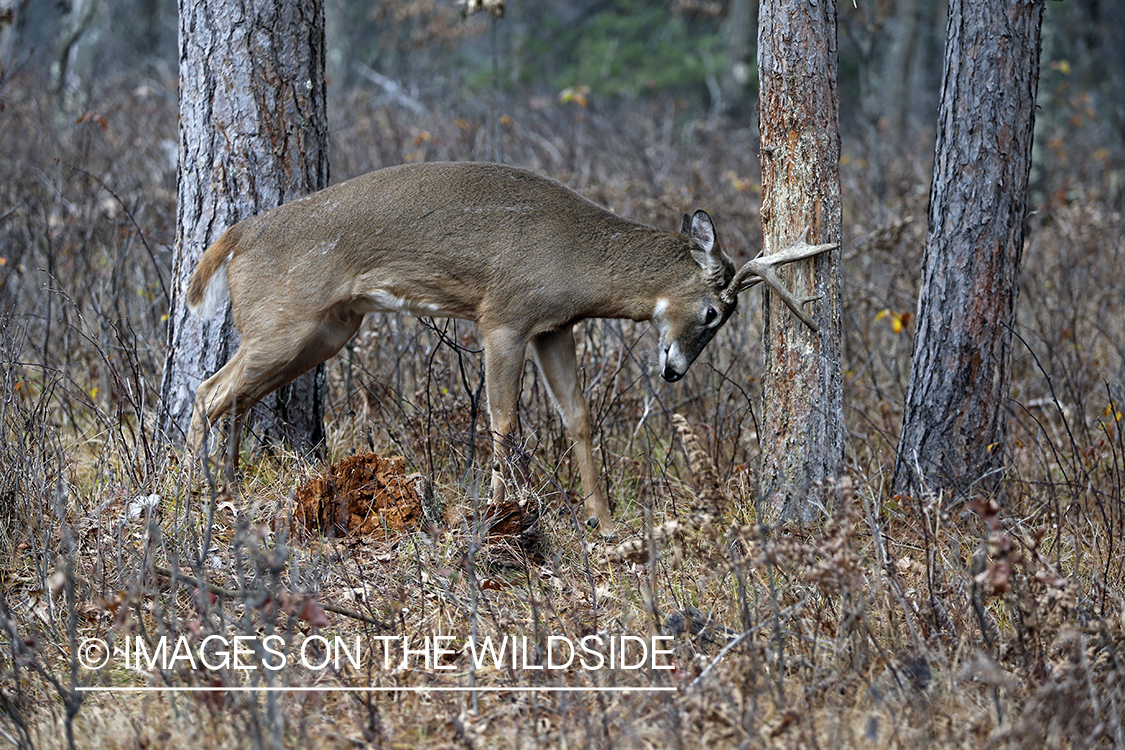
[{"x": 639, "y": 266}]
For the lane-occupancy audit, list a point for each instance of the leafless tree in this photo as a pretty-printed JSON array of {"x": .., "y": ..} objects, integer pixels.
[
  {"x": 802, "y": 443},
  {"x": 954, "y": 419}
]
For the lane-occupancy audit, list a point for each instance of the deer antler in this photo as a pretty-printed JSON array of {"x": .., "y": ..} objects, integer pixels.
[{"x": 762, "y": 269}]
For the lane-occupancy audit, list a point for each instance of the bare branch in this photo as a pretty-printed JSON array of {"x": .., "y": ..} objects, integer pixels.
[{"x": 243, "y": 593}]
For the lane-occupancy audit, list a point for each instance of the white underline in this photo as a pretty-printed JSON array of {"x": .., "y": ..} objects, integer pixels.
[{"x": 332, "y": 689}]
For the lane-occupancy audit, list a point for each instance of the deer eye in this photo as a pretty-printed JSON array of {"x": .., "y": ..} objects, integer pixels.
[{"x": 710, "y": 316}]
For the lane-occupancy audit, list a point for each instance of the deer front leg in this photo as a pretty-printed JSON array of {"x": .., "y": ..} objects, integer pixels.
[
  {"x": 554, "y": 353},
  {"x": 503, "y": 365}
]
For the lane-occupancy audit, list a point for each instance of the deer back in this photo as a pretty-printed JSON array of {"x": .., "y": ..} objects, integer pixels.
[{"x": 496, "y": 244}]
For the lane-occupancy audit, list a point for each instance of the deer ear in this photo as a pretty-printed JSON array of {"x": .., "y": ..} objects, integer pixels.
[
  {"x": 703, "y": 246},
  {"x": 685, "y": 227},
  {"x": 702, "y": 231}
]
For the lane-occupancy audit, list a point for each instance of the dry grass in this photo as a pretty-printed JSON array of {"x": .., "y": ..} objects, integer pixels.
[{"x": 896, "y": 622}]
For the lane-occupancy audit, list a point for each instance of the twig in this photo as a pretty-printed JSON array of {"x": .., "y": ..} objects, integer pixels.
[
  {"x": 727, "y": 648},
  {"x": 719, "y": 657},
  {"x": 243, "y": 593},
  {"x": 394, "y": 90},
  {"x": 136, "y": 225}
]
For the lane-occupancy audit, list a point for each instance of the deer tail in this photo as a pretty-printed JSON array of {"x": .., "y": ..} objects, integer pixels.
[{"x": 208, "y": 288}]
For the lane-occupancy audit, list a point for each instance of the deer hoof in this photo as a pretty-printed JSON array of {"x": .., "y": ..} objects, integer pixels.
[{"x": 604, "y": 529}]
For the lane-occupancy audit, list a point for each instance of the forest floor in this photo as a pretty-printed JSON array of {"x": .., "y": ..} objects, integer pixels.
[{"x": 995, "y": 617}]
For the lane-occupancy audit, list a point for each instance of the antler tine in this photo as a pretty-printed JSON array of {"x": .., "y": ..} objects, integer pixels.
[{"x": 762, "y": 269}]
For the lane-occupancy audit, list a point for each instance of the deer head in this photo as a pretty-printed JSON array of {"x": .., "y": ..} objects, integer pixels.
[{"x": 689, "y": 318}]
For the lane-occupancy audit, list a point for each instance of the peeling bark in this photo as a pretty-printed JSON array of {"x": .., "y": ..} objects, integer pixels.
[
  {"x": 253, "y": 135},
  {"x": 802, "y": 443},
  {"x": 954, "y": 420}
]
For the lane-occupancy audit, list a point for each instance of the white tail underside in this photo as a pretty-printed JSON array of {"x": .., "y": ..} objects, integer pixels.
[{"x": 218, "y": 291}]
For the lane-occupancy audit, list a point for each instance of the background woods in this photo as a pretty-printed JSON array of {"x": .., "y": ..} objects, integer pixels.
[{"x": 912, "y": 615}]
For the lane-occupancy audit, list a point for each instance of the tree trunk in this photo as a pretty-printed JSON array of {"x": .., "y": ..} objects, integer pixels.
[
  {"x": 74, "y": 53},
  {"x": 253, "y": 135},
  {"x": 9, "y": 13},
  {"x": 802, "y": 445},
  {"x": 735, "y": 36},
  {"x": 1111, "y": 48},
  {"x": 954, "y": 419},
  {"x": 897, "y": 68}
]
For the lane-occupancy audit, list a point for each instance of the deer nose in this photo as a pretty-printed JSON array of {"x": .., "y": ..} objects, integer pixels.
[{"x": 670, "y": 359}]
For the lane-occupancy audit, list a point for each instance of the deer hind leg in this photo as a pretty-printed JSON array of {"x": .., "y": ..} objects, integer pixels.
[
  {"x": 214, "y": 398},
  {"x": 263, "y": 363},
  {"x": 503, "y": 365},
  {"x": 554, "y": 353}
]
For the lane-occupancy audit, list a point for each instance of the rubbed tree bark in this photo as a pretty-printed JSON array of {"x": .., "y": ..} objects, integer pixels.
[
  {"x": 802, "y": 444},
  {"x": 253, "y": 135},
  {"x": 954, "y": 419}
]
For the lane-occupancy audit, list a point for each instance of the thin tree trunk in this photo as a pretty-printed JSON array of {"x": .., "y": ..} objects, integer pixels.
[
  {"x": 737, "y": 47},
  {"x": 1112, "y": 48},
  {"x": 955, "y": 416},
  {"x": 253, "y": 135},
  {"x": 897, "y": 69},
  {"x": 802, "y": 445},
  {"x": 69, "y": 87},
  {"x": 9, "y": 23}
]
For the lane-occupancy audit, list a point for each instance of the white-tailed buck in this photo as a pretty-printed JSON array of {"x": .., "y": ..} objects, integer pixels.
[{"x": 522, "y": 255}]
